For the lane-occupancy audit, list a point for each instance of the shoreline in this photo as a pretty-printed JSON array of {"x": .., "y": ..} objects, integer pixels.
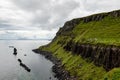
[{"x": 58, "y": 69}]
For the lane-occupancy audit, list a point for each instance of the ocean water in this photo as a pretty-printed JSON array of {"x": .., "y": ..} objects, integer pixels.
[{"x": 10, "y": 68}]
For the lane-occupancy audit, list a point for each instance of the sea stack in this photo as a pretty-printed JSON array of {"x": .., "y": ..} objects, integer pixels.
[{"x": 15, "y": 51}]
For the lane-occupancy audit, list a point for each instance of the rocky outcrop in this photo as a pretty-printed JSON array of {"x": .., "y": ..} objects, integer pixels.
[
  {"x": 115, "y": 13},
  {"x": 61, "y": 73},
  {"x": 23, "y": 65},
  {"x": 101, "y": 55},
  {"x": 69, "y": 25},
  {"x": 15, "y": 51},
  {"x": 96, "y": 17},
  {"x": 19, "y": 60}
]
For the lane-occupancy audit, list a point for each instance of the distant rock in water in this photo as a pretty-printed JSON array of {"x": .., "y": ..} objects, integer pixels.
[
  {"x": 19, "y": 60},
  {"x": 25, "y": 55},
  {"x": 50, "y": 78},
  {"x": 15, "y": 51},
  {"x": 25, "y": 67}
]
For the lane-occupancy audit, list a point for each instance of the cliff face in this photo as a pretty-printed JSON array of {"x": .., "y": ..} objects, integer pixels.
[
  {"x": 68, "y": 26},
  {"x": 106, "y": 56}
]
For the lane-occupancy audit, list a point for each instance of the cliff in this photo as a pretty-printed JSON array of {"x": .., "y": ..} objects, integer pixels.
[
  {"x": 106, "y": 56},
  {"x": 89, "y": 47}
]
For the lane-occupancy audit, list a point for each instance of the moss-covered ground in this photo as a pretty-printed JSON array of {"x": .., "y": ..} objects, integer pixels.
[{"x": 105, "y": 31}]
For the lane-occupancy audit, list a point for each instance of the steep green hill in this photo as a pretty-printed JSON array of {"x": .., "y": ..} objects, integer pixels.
[{"x": 85, "y": 46}]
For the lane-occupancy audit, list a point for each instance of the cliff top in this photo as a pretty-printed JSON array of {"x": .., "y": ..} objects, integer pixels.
[{"x": 101, "y": 28}]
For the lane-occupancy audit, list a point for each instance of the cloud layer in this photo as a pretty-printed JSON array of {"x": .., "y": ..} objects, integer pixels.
[{"x": 42, "y": 18}]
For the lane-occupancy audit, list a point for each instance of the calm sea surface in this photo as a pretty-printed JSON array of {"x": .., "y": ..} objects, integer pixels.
[{"x": 10, "y": 68}]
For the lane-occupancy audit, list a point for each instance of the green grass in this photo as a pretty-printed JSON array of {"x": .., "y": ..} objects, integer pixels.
[
  {"x": 105, "y": 31},
  {"x": 113, "y": 74}
]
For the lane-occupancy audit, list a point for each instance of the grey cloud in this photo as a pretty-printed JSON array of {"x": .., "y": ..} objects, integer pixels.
[
  {"x": 48, "y": 14},
  {"x": 31, "y": 5},
  {"x": 6, "y": 26},
  {"x": 101, "y": 5},
  {"x": 47, "y": 11}
]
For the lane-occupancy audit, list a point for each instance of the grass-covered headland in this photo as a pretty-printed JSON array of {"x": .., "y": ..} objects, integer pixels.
[{"x": 89, "y": 47}]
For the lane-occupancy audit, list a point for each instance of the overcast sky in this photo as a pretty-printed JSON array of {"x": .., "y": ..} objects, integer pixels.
[{"x": 35, "y": 19}]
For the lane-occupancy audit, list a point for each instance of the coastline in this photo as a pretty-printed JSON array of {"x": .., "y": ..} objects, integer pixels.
[{"x": 58, "y": 68}]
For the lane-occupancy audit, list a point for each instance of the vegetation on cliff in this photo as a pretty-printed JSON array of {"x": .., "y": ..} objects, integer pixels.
[{"x": 99, "y": 36}]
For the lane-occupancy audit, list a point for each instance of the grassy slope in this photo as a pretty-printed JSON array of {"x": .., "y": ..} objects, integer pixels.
[{"x": 106, "y": 31}]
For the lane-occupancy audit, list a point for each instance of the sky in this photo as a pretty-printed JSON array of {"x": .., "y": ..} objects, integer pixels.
[{"x": 41, "y": 19}]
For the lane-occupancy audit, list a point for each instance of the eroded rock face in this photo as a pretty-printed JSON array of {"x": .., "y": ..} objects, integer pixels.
[
  {"x": 69, "y": 25},
  {"x": 106, "y": 56},
  {"x": 115, "y": 13},
  {"x": 96, "y": 17}
]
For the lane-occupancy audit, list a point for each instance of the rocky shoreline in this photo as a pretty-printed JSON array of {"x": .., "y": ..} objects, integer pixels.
[{"x": 58, "y": 69}]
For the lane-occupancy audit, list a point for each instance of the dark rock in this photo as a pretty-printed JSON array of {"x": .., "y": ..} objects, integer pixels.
[
  {"x": 115, "y": 13},
  {"x": 25, "y": 55},
  {"x": 95, "y": 17},
  {"x": 50, "y": 78},
  {"x": 62, "y": 74},
  {"x": 101, "y": 55},
  {"x": 15, "y": 51},
  {"x": 19, "y": 60},
  {"x": 25, "y": 67},
  {"x": 68, "y": 26}
]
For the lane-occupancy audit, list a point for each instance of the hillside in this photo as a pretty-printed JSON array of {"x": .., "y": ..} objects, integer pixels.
[{"x": 89, "y": 47}]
